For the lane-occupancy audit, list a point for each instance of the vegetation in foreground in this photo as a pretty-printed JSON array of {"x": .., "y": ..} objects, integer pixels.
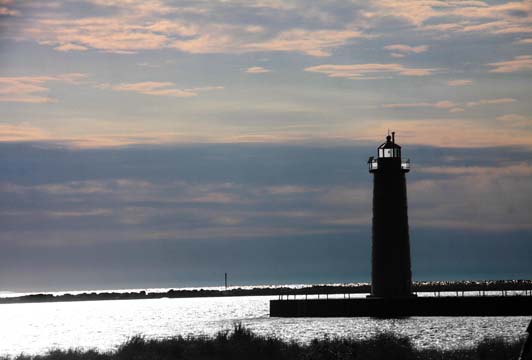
[{"x": 241, "y": 343}]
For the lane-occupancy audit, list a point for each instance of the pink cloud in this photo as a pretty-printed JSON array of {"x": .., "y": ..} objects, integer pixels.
[
  {"x": 22, "y": 132},
  {"x": 447, "y": 133},
  {"x": 519, "y": 63},
  {"x": 477, "y": 16},
  {"x": 451, "y": 106},
  {"x": 311, "y": 42},
  {"x": 490, "y": 102},
  {"x": 32, "y": 89},
  {"x": 139, "y": 25},
  {"x": 361, "y": 71},
  {"x": 256, "y": 70},
  {"x": 158, "y": 88},
  {"x": 70, "y": 47},
  {"x": 401, "y": 50},
  {"x": 460, "y": 82},
  {"x": 5, "y": 11},
  {"x": 444, "y": 104},
  {"x": 515, "y": 120}
]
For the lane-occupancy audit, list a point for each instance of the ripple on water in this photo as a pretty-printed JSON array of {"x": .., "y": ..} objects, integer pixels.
[{"x": 35, "y": 328}]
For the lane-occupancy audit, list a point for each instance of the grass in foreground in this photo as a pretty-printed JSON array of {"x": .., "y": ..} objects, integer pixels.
[{"x": 241, "y": 343}]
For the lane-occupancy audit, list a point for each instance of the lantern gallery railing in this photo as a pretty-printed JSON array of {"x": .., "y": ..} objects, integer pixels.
[{"x": 374, "y": 165}]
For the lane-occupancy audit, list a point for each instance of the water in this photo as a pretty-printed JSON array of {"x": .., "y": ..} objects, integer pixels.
[{"x": 38, "y": 327}]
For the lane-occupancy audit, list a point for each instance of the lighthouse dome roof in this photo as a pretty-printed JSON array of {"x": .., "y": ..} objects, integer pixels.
[{"x": 389, "y": 144}]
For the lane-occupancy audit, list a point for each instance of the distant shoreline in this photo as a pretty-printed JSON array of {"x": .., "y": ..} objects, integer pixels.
[{"x": 435, "y": 287}]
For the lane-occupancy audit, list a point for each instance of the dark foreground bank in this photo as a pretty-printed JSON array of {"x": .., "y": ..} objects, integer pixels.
[{"x": 241, "y": 343}]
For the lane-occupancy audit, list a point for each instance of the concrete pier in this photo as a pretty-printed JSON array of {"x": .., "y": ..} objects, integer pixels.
[{"x": 404, "y": 307}]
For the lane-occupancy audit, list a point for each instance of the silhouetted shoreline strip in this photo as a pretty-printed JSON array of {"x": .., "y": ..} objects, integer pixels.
[
  {"x": 241, "y": 343},
  {"x": 433, "y": 287}
]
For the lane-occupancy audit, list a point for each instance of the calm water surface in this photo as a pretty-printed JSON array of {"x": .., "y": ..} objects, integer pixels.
[{"x": 35, "y": 328}]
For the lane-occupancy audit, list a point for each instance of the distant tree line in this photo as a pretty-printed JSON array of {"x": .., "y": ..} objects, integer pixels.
[{"x": 433, "y": 286}]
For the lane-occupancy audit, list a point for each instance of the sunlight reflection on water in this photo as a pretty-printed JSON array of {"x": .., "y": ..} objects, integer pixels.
[{"x": 35, "y": 328}]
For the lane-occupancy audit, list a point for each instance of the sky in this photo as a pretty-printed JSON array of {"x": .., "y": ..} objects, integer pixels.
[{"x": 163, "y": 143}]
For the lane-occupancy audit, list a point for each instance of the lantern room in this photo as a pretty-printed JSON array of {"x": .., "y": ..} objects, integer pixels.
[{"x": 389, "y": 149}]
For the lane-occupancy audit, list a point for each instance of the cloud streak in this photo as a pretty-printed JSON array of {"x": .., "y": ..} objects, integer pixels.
[
  {"x": 256, "y": 70},
  {"x": 451, "y": 106},
  {"x": 460, "y": 82},
  {"x": 314, "y": 43},
  {"x": 368, "y": 71},
  {"x": 195, "y": 29},
  {"x": 401, "y": 50},
  {"x": 518, "y": 64},
  {"x": 490, "y": 102},
  {"x": 157, "y": 88},
  {"x": 33, "y": 89}
]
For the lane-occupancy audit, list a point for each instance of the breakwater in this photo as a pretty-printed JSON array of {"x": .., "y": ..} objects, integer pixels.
[{"x": 403, "y": 307}]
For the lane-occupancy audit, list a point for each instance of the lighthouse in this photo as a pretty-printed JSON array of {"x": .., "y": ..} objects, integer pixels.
[{"x": 391, "y": 274}]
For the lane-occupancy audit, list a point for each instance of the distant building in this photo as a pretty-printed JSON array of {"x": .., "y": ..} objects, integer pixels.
[{"x": 391, "y": 274}]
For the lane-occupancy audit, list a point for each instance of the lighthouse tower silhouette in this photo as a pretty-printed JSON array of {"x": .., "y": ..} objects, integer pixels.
[{"x": 391, "y": 274}]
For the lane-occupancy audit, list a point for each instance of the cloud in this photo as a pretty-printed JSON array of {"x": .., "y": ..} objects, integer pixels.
[
  {"x": 521, "y": 169},
  {"x": 401, "y": 50},
  {"x": 5, "y": 11},
  {"x": 158, "y": 88},
  {"x": 451, "y": 106},
  {"x": 311, "y": 42},
  {"x": 70, "y": 47},
  {"x": 445, "y": 104},
  {"x": 21, "y": 133},
  {"x": 32, "y": 89},
  {"x": 460, "y": 82},
  {"x": 444, "y": 132},
  {"x": 161, "y": 201},
  {"x": 490, "y": 102},
  {"x": 199, "y": 29},
  {"x": 459, "y": 16},
  {"x": 518, "y": 64},
  {"x": 256, "y": 70},
  {"x": 456, "y": 109},
  {"x": 515, "y": 120},
  {"x": 368, "y": 71},
  {"x": 316, "y": 29},
  {"x": 490, "y": 198},
  {"x": 6, "y": 8},
  {"x": 120, "y": 34}
]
